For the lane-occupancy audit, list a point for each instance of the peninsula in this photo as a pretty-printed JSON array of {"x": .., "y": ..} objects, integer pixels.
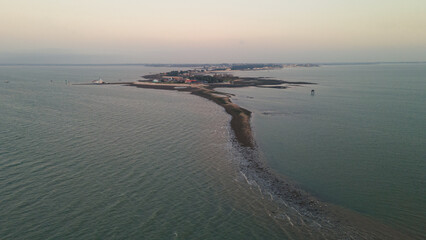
[
  {"x": 303, "y": 208},
  {"x": 202, "y": 82},
  {"x": 294, "y": 203}
]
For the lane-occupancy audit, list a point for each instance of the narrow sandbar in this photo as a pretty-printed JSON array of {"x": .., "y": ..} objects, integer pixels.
[
  {"x": 325, "y": 221},
  {"x": 240, "y": 121}
]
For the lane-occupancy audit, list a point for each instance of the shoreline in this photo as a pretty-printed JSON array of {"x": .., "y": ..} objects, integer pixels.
[
  {"x": 240, "y": 121},
  {"x": 327, "y": 220}
]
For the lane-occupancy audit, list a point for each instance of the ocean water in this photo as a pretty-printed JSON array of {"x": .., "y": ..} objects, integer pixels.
[
  {"x": 118, "y": 162},
  {"x": 114, "y": 162},
  {"x": 359, "y": 142}
]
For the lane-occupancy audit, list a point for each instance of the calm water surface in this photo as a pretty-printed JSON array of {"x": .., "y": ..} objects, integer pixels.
[
  {"x": 359, "y": 142},
  {"x": 115, "y": 162}
]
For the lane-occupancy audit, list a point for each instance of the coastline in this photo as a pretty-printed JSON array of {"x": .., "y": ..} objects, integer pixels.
[
  {"x": 240, "y": 121},
  {"x": 296, "y": 206}
]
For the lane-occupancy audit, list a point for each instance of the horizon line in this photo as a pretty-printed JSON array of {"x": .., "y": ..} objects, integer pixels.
[{"x": 205, "y": 64}]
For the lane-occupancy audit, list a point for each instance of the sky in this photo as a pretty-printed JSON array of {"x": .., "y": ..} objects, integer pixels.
[{"x": 207, "y": 31}]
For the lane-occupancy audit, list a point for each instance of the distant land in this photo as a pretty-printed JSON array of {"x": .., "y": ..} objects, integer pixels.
[
  {"x": 204, "y": 65},
  {"x": 217, "y": 76},
  {"x": 237, "y": 66}
]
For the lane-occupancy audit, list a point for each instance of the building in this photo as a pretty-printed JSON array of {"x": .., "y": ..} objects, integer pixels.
[
  {"x": 189, "y": 81},
  {"x": 172, "y": 79}
]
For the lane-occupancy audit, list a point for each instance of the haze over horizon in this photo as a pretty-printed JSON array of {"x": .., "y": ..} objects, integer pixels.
[{"x": 130, "y": 31}]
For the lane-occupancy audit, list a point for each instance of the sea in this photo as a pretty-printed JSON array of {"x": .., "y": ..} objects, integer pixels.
[{"x": 119, "y": 162}]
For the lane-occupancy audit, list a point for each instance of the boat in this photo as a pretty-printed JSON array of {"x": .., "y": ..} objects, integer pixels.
[{"x": 99, "y": 81}]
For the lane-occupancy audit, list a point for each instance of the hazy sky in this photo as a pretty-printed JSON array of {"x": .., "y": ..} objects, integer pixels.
[{"x": 178, "y": 31}]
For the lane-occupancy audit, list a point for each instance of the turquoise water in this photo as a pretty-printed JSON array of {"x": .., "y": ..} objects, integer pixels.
[
  {"x": 117, "y": 162},
  {"x": 359, "y": 142}
]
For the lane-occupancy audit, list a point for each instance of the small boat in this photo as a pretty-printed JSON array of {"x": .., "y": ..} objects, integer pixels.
[
  {"x": 312, "y": 92},
  {"x": 99, "y": 81}
]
